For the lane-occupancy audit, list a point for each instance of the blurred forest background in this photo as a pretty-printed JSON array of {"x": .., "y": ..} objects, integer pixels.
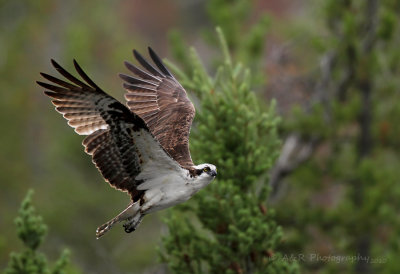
[{"x": 332, "y": 66}]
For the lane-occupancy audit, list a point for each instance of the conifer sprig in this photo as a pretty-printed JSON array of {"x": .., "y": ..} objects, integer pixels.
[{"x": 31, "y": 230}]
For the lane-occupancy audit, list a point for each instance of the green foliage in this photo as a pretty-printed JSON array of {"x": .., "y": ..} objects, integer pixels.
[
  {"x": 233, "y": 231},
  {"x": 30, "y": 227},
  {"x": 31, "y": 231}
]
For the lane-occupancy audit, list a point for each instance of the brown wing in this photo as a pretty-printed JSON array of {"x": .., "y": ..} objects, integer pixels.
[
  {"x": 118, "y": 140},
  {"x": 158, "y": 98}
]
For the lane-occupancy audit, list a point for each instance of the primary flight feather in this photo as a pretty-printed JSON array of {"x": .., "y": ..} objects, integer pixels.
[{"x": 142, "y": 149}]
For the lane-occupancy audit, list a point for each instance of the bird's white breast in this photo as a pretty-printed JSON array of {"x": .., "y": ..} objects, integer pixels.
[
  {"x": 169, "y": 188},
  {"x": 165, "y": 182}
]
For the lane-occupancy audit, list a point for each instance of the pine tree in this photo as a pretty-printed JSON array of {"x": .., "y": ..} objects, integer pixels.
[
  {"x": 227, "y": 227},
  {"x": 31, "y": 231}
]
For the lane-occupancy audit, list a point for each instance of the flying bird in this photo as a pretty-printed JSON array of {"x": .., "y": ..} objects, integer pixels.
[{"x": 141, "y": 148}]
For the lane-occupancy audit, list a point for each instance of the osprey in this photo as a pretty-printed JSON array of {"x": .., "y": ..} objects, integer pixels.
[{"x": 141, "y": 148}]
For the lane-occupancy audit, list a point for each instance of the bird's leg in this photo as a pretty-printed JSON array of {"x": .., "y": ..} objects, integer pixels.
[
  {"x": 129, "y": 212},
  {"x": 132, "y": 223},
  {"x": 150, "y": 198}
]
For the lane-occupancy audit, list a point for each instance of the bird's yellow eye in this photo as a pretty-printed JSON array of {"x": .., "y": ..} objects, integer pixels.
[{"x": 206, "y": 169}]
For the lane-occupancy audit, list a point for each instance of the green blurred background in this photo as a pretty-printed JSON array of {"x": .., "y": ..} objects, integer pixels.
[{"x": 38, "y": 149}]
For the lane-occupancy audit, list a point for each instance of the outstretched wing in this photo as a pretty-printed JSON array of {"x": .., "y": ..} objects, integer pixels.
[
  {"x": 118, "y": 140},
  {"x": 158, "y": 98}
]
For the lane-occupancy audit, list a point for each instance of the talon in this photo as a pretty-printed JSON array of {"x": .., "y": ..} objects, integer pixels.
[
  {"x": 99, "y": 233},
  {"x": 128, "y": 228}
]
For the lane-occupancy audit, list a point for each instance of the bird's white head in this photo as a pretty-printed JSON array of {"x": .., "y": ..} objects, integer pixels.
[
  {"x": 206, "y": 171},
  {"x": 203, "y": 175}
]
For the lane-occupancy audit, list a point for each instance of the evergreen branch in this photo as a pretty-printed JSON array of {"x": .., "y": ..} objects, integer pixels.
[
  {"x": 31, "y": 230},
  {"x": 224, "y": 47}
]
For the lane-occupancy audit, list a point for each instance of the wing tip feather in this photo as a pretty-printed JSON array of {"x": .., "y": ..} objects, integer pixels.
[
  {"x": 136, "y": 53},
  {"x": 151, "y": 51},
  {"x": 123, "y": 76},
  {"x": 159, "y": 63},
  {"x": 44, "y": 85},
  {"x": 55, "y": 64}
]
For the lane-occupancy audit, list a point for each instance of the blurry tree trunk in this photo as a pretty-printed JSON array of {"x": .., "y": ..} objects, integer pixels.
[{"x": 365, "y": 139}]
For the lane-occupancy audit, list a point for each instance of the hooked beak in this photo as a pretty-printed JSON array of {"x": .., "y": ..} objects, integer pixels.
[{"x": 214, "y": 173}]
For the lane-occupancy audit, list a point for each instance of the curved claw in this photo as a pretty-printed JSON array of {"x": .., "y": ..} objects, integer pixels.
[{"x": 133, "y": 223}]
